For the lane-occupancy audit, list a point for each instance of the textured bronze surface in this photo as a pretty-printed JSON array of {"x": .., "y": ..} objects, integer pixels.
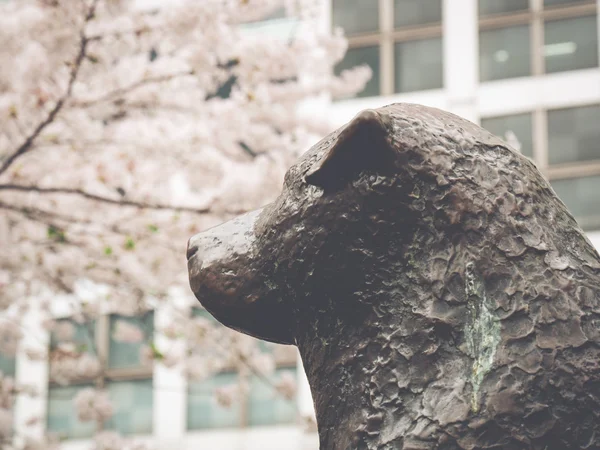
[{"x": 441, "y": 295}]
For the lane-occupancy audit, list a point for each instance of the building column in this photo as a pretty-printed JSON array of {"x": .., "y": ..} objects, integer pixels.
[
  {"x": 309, "y": 440},
  {"x": 305, "y": 401},
  {"x": 170, "y": 389},
  {"x": 30, "y": 410},
  {"x": 461, "y": 56}
]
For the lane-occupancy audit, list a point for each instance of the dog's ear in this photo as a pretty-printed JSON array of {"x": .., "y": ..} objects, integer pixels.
[{"x": 362, "y": 145}]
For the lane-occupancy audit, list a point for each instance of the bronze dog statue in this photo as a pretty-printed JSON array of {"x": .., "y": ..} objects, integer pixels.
[{"x": 441, "y": 295}]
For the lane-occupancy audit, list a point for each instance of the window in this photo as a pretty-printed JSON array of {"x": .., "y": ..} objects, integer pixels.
[
  {"x": 574, "y": 135},
  {"x": 571, "y": 158},
  {"x": 267, "y": 408},
  {"x": 571, "y": 44},
  {"x": 504, "y": 53},
  {"x": 10, "y": 336},
  {"x": 421, "y": 12},
  {"x": 132, "y": 401},
  {"x": 204, "y": 411},
  {"x": 581, "y": 197},
  {"x": 7, "y": 365},
  {"x": 356, "y": 16},
  {"x": 520, "y": 125},
  {"x": 488, "y": 7},
  {"x": 7, "y": 369},
  {"x": 511, "y": 33},
  {"x": 418, "y": 65},
  {"x": 406, "y": 39},
  {"x": 62, "y": 417},
  {"x": 561, "y": 2},
  {"x": 259, "y": 404},
  {"x": 363, "y": 55},
  {"x": 77, "y": 351}
]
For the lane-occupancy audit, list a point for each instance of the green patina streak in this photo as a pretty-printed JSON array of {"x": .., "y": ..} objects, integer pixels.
[{"x": 482, "y": 332}]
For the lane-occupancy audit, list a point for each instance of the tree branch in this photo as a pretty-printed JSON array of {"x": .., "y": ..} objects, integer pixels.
[
  {"x": 108, "y": 200},
  {"x": 133, "y": 86},
  {"x": 76, "y": 65},
  {"x": 118, "y": 34}
]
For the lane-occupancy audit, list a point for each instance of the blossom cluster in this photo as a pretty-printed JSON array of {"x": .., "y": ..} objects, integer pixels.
[{"x": 124, "y": 129}]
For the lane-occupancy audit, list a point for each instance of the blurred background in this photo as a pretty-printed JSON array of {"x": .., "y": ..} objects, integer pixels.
[{"x": 128, "y": 126}]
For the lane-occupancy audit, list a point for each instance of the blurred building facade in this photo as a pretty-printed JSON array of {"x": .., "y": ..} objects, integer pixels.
[{"x": 527, "y": 70}]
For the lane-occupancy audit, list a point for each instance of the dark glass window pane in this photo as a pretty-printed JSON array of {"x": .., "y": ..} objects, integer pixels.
[
  {"x": 81, "y": 335},
  {"x": 266, "y": 405},
  {"x": 419, "y": 65},
  {"x": 132, "y": 402},
  {"x": 504, "y": 53},
  {"x": 7, "y": 365},
  {"x": 581, "y": 197},
  {"x": 62, "y": 416},
  {"x": 203, "y": 411},
  {"x": 487, "y": 7},
  {"x": 416, "y": 12},
  {"x": 359, "y": 56},
  {"x": 519, "y": 124},
  {"x": 571, "y": 44},
  {"x": 356, "y": 16},
  {"x": 574, "y": 134},
  {"x": 128, "y": 354},
  {"x": 561, "y": 2}
]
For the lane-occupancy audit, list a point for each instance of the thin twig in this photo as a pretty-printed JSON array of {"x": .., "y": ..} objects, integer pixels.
[
  {"x": 27, "y": 144},
  {"x": 119, "y": 92},
  {"x": 119, "y": 34},
  {"x": 99, "y": 198}
]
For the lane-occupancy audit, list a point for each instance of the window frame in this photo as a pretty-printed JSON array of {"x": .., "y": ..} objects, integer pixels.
[
  {"x": 535, "y": 17},
  {"x": 243, "y": 421},
  {"x": 107, "y": 375},
  {"x": 540, "y": 137},
  {"x": 387, "y": 36},
  {"x": 531, "y": 115},
  {"x": 575, "y": 169}
]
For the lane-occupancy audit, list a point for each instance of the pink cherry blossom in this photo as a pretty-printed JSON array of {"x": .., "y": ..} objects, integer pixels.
[
  {"x": 64, "y": 330},
  {"x": 127, "y": 332},
  {"x": 6, "y": 423},
  {"x": 92, "y": 405},
  {"x": 120, "y": 134}
]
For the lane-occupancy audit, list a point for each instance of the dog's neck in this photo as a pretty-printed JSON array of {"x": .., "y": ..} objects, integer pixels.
[
  {"x": 339, "y": 383},
  {"x": 367, "y": 370}
]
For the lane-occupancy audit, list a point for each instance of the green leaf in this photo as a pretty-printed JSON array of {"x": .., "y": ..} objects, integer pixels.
[
  {"x": 129, "y": 244},
  {"x": 108, "y": 251},
  {"x": 56, "y": 234},
  {"x": 153, "y": 228},
  {"x": 156, "y": 353},
  {"x": 82, "y": 348}
]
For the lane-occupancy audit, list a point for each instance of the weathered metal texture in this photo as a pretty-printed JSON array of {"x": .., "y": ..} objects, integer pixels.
[{"x": 441, "y": 295}]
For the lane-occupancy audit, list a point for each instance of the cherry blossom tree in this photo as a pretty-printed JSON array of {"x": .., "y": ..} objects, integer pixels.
[{"x": 125, "y": 129}]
